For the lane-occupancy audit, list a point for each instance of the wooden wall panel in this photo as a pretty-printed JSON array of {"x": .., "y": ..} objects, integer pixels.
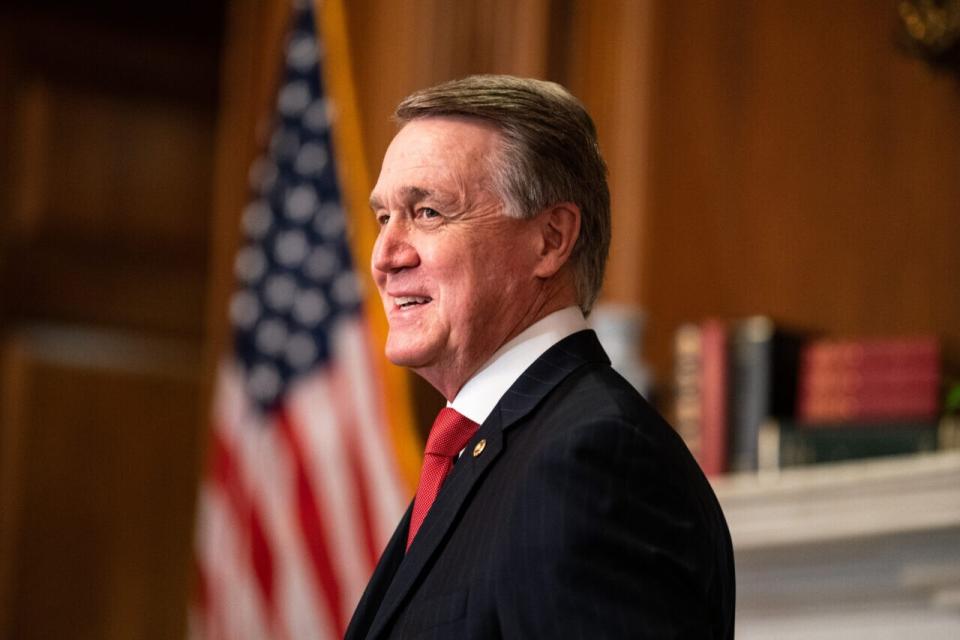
[
  {"x": 97, "y": 483},
  {"x": 104, "y": 210},
  {"x": 143, "y": 163},
  {"x": 802, "y": 167},
  {"x": 608, "y": 63},
  {"x": 106, "y": 140}
]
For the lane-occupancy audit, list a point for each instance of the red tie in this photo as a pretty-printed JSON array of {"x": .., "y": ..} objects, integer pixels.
[{"x": 449, "y": 434}]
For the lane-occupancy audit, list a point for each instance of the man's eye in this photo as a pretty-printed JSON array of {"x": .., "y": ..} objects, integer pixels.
[
  {"x": 428, "y": 213},
  {"x": 383, "y": 219}
]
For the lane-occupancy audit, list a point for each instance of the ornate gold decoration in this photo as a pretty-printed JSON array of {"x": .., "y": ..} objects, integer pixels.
[{"x": 932, "y": 29}]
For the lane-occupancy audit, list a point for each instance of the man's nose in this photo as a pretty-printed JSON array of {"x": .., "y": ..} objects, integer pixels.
[{"x": 393, "y": 249}]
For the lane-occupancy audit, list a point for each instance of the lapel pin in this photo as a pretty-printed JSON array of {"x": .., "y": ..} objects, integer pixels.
[{"x": 479, "y": 447}]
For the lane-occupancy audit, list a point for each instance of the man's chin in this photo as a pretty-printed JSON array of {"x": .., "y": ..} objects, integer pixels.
[{"x": 405, "y": 356}]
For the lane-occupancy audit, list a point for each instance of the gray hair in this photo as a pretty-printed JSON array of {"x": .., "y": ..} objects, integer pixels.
[{"x": 550, "y": 155}]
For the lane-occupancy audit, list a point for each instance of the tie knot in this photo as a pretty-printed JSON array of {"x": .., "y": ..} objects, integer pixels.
[{"x": 450, "y": 433}]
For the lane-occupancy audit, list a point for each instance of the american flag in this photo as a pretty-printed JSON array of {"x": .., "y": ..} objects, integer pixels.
[{"x": 302, "y": 489}]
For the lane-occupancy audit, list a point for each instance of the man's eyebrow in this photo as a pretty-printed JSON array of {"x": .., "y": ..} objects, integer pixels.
[{"x": 407, "y": 194}]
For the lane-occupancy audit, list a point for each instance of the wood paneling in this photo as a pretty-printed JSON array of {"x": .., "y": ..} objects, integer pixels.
[
  {"x": 110, "y": 154},
  {"x": 105, "y": 206},
  {"x": 802, "y": 167},
  {"x": 607, "y": 62},
  {"x": 106, "y": 140},
  {"x": 97, "y": 483}
]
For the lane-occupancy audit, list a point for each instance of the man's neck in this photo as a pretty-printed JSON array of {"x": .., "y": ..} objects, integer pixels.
[{"x": 480, "y": 394}]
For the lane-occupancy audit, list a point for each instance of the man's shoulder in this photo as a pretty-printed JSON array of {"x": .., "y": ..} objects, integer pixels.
[
  {"x": 595, "y": 414},
  {"x": 572, "y": 393},
  {"x": 596, "y": 393}
]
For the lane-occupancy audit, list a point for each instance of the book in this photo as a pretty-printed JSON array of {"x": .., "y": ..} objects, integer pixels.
[
  {"x": 788, "y": 443},
  {"x": 714, "y": 434},
  {"x": 870, "y": 380},
  {"x": 700, "y": 376},
  {"x": 686, "y": 371},
  {"x": 763, "y": 374}
]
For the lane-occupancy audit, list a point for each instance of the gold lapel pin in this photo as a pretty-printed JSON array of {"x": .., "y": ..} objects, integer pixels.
[{"x": 479, "y": 447}]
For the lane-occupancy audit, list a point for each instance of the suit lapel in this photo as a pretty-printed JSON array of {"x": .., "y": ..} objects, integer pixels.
[
  {"x": 533, "y": 385},
  {"x": 442, "y": 513}
]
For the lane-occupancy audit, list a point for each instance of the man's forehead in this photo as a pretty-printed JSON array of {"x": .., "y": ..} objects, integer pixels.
[
  {"x": 435, "y": 157},
  {"x": 449, "y": 122},
  {"x": 406, "y": 193},
  {"x": 457, "y": 136}
]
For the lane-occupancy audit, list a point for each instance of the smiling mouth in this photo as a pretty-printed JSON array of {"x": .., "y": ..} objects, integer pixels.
[{"x": 408, "y": 302}]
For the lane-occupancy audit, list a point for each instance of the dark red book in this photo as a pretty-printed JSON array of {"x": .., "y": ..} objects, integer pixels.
[
  {"x": 863, "y": 380},
  {"x": 715, "y": 432}
]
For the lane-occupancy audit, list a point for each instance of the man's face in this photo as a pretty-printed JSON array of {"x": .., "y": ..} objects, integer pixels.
[{"x": 454, "y": 272}]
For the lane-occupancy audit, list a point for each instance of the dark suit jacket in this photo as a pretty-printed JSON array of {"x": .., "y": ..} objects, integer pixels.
[{"x": 583, "y": 517}]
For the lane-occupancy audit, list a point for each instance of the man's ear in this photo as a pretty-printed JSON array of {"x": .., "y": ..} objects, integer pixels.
[{"x": 559, "y": 228}]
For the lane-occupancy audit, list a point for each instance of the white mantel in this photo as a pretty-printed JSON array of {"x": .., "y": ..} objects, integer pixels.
[{"x": 853, "y": 550}]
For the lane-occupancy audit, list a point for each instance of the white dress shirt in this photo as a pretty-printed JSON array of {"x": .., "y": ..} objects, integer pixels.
[{"x": 481, "y": 393}]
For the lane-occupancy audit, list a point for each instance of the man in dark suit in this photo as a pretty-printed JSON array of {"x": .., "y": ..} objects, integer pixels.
[{"x": 554, "y": 501}]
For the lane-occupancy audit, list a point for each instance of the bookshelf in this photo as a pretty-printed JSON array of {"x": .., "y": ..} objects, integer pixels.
[{"x": 864, "y": 549}]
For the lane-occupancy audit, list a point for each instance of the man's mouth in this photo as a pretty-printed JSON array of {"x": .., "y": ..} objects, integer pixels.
[{"x": 408, "y": 302}]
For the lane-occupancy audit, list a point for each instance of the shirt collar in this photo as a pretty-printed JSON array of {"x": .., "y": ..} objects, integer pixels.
[{"x": 481, "y": 393}]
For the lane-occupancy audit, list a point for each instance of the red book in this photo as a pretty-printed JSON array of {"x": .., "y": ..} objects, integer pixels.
[
  {"x": 876, "y": 379},
  {"x": 713, "y": 394}
]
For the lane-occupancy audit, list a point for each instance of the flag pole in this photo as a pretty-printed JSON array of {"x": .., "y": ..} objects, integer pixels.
[{"x": 348, "y": 138}]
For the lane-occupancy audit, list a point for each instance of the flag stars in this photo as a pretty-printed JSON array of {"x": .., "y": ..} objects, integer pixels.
[
  {"x": 280, "y": 292},
  {"x": 321, "y": 264},
  {"x": 318, "y": 115},
  {"x": 301, "y": 350},
  {"x": 284, "y": 144},
  {"x": 302, "y": 52},
  {"x": 257, "y": 219},
  {"x": 329, "y": 221},
  {"x": 244, "y": 309},
  {"x": 272, "y": 336},
  {"x": 310, "y": 308},
  {"x": 263, "y": 382},
  {"x": 250, "y": 264},
  {"x": 294, "y": 98},
  {"x": 311, "y": 160},
  {"x": 300, "y": 202},
  {"x": 346, "y": 289},
  {"x": 290, "y": 247}
]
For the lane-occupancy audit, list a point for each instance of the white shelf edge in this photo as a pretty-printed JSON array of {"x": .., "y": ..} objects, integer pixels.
[{"x": 823, "y": 503}]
